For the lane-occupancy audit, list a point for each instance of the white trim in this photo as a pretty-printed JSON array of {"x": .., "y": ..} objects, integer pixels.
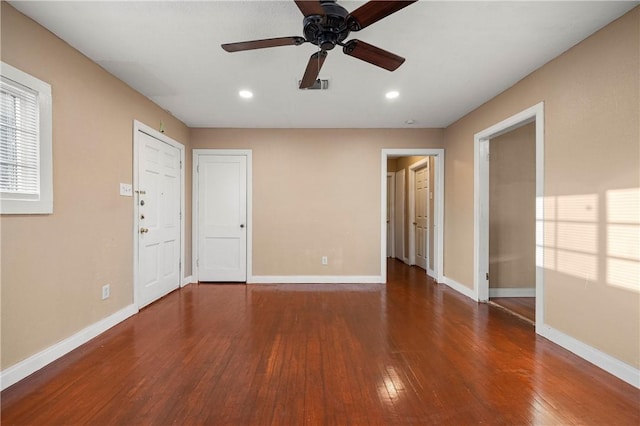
[
  {"x": 481, "y": 201},
  {"x": 595, "y": 356},
  {"x": 187, "y": 280},
  {"x": 469, "y": 292},
  {"x": 438, "y": 199},
  {"x": 24, "y": 368},
  {"x": 44, "y": 203},
  {"x": 512, "y": 292},
  {"x": 316, "y": 279},
  {"x": 141, "y": 127},
  {"x": 194, "y": 206}
]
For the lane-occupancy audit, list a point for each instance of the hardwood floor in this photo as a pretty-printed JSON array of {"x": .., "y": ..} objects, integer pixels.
[
  {"x": 411, "y": 352},
  {"x": 523, "y": 306}
]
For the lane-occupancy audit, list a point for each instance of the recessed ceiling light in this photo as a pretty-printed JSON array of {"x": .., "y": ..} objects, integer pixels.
[
  {"x": 246, "y": 94},
  {"x": 410, "y": 121},
  {"x": 392, "y": 95}
]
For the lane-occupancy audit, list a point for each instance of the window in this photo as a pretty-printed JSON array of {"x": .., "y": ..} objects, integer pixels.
[{"x": 26, "y": 182}]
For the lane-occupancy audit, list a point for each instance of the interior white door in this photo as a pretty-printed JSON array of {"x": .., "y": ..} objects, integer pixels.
[
  {"x": 222, "y": 215},
  {"x": 399, "y": 215},
  {"x": 421, "y": 216},
  {"x": 159, "y": 218},
  {"x": 389, "y": 224}
]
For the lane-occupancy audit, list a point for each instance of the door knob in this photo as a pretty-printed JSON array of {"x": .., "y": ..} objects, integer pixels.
[
  {"x": 242, "y": 225},
  {"x": 144, "y": 230}
]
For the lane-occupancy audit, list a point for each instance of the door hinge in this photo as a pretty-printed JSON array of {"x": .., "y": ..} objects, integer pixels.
[
  {"x": 181, "y": 164},
  {"x": 198, "y": 168},
  {"x": 487, "y": 276}
]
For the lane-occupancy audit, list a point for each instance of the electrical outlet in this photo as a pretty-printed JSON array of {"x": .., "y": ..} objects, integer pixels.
[
  {"x": 126, "y": 190},
  {"x": 106, "y": 291},
  {"x": 325, "y": 260}
]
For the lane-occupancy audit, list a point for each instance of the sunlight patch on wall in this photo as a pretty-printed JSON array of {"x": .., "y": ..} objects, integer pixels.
[
  {"x": 567, "y": 234},
  {"x": 623, "y": 238},
  {"x": 578, "y": 208}
]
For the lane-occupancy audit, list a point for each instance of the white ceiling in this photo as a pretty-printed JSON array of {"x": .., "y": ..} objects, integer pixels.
[{"x": 459, "y": 55}]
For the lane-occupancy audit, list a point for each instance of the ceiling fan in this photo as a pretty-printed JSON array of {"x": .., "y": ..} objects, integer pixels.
[{"x": 327, "y": 24}]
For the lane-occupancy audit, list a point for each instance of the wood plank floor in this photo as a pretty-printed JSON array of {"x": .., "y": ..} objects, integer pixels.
[
  {"x": 523, "y": 306},
  {"x": 409, "y": 353}
]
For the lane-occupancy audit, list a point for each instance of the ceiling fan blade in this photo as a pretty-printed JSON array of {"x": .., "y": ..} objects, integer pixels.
[
  {"x": 372, "y": 54},
  {"x": 261, "y": 44},
  {"x": 313, "y": 69},
  {"x": 310, "y": 7},
  {"x": 373, "y": 11}
]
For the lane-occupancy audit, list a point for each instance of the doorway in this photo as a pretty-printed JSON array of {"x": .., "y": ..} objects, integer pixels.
[
  {"x": 402, "y": 226},
  {"x": 158, "y": 175},
  {"x": 482, "y": 215},
  {"x": 512, "y": 221}
]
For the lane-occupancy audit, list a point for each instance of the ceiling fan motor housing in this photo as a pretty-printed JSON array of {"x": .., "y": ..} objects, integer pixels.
[{"x": 325, "y": 31}]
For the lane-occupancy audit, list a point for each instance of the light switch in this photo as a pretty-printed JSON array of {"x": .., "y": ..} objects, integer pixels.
[{"x": 126, "y": 190}]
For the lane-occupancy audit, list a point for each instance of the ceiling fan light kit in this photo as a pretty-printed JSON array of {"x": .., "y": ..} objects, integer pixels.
[{"x": 326, "y": 24}]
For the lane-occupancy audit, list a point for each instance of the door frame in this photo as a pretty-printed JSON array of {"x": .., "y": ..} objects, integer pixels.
[
  {"x": 481, "y": 203},
  {"x": 412, "y": 213},
  {"x": 392, "y": 213},
  {"x": 137, "y": 128},
  {"x": 438, "y": 199},
  {"x": 248, "y": 153}
]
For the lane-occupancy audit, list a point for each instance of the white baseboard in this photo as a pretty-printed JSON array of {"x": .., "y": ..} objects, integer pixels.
[
  {"x": 460, "y": 288},
  {"x": 19, "y": 371},
  {"x": 512, "y": 292},
  {"x": 315, "y": 279},
  {"x": 595, "y": 356},
  {"x": 187, "y": 280}
]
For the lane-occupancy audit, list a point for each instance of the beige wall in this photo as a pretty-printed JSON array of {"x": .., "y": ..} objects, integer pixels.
[
  {"x": 392, "y": 165},
  {"x": 311, "y": 199},
  {"x": 512, "y": 209},
  {"x": 592, "y": 157},
  {"x": 53, "y": 266}
]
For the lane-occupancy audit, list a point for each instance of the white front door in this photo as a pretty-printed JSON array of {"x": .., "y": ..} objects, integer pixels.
[
  {"x": 421, "y": 216},
  {"x": 222, "y": 218},
  {"x": 158, "y": 218}
]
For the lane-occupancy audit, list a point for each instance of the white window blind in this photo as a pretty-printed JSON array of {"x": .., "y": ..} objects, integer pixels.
[
  {"x": 26, "y": 160},
  {"x": 19, "y": 142}
]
